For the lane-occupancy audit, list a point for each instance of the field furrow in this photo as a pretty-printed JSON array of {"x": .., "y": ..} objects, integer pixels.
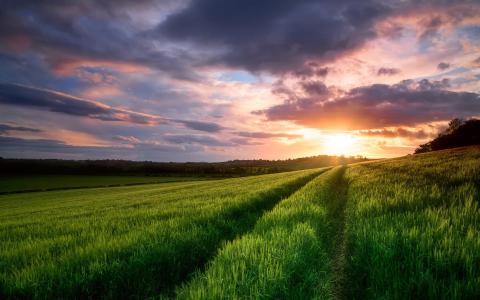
[
  {"x": 130, "y": 242},
  {"x": 290, "y": 254}
]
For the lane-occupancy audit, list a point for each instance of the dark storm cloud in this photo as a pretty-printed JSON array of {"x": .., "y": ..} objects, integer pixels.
[
  {"x": 269, "y": 35},
  {"x": 387, "y": 71},
  {"x": 276, "y": 36},
  {"x": 4, "y": 128},
  {"x": 378, "y": 106},
  {"x": 443, "y": 66},
  {"x": 53, "y": 101}
]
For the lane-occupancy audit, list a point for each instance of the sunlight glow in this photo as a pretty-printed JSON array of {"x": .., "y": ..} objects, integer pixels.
[{"x": 340, "y": 144}]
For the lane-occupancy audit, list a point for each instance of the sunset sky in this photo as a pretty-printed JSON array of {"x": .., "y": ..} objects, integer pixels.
[{"x": 213, "y": 80}]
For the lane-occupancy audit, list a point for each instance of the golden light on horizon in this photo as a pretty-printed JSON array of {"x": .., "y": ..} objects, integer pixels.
[{"x": 340, "y": 144}]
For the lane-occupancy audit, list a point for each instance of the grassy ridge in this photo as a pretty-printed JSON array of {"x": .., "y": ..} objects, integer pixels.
[
  {"x": 129, "y": 241},
  {"x": 413, "y": 227},
  {"x": 288, "y": 255},
  {"x": 11, "y": 184}
]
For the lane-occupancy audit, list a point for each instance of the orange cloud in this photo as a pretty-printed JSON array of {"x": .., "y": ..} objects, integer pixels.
[
  {"x": 99, "y": 92},
  {"x": 69, "y": 66}
]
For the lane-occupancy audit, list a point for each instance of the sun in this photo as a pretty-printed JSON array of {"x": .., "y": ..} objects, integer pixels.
[{"x": 340, "y": 144}]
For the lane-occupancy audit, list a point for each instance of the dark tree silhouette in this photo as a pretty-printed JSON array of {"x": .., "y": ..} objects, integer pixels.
[{"x": 459, "y": 133}]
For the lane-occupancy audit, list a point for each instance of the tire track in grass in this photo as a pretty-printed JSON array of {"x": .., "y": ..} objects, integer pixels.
[
  {"x": 243, "y": 222},
  {"x": 337, "y": 217},
  {"x": 293, "y": 252}
]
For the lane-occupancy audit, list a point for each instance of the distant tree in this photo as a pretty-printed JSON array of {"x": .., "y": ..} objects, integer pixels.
[
  {"x": 454, "y": 124},
  {"x": 458, "y": 134},
  {"x": 423, "y": 148}
]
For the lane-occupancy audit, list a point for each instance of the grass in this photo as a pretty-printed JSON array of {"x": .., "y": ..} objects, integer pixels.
[
  {"x": 138, "y": 241},
  {"x": 14, "y": 184},
  {"x": 290, "y": 254},
  {"x": 413, "y": 227},
  {"x": 405, "y": 228}
]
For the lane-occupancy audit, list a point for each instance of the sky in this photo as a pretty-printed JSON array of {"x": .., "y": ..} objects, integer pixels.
[{"x": 214, "y": 80}]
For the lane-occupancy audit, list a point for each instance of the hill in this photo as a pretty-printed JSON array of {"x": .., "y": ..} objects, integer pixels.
[{"x": 459, "y": 133}]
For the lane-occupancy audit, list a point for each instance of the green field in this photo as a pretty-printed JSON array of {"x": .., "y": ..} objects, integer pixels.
[
  {"x": 405, "y": 228},
  {"x": 13, "y": 184}
]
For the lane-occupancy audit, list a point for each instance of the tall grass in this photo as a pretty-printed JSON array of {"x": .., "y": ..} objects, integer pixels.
[
  {"x": 413, "y": 227},
  {"x": 288, "y": 255},
  {"x": 128, "y": 242}
]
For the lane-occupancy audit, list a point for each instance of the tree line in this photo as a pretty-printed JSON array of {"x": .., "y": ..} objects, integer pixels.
[{"x": 125, "y": 167}]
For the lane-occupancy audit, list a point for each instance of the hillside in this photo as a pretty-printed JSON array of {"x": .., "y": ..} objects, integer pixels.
[
  {"x": 460, "y": 133},
  {"x": 404, "y": 228}
]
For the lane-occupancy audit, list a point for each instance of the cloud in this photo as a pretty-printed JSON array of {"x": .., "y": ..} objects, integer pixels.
[
  {"x": 398, "y": 133},
  {"x": 126, "y": 139},
  {"x": 296, "y": 36},
  {"x": 195, "y": 139},
  {"x": 47, "y": 148},
  {"x": 443, "y": 66},
  {"x": 201, "y": 126},
  {"x": 70, "y": 34},
  {"x": 266, "y": 135},
  {"x": 476, "y": 62},
  {"x": 275, "y": 36},
  {"x": 41, "y": 145},
  {"x": 387, "y": 71},
  {"x": 178, "y": 36},
  {"x": 435, "y": 17},
  {"x": 131, "y": 54},
  {"x": 5, "y": 128},
  {"x": 376, "y": 106},
  {"x": 54, "y": 101},
  {"x": 430, "y": 26},
  {"x": 245, "y": 139},
  {"x": 311, "y": 69},
  {"x": 314, "y": 88},
  {"x": 244, "y": 142}
]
